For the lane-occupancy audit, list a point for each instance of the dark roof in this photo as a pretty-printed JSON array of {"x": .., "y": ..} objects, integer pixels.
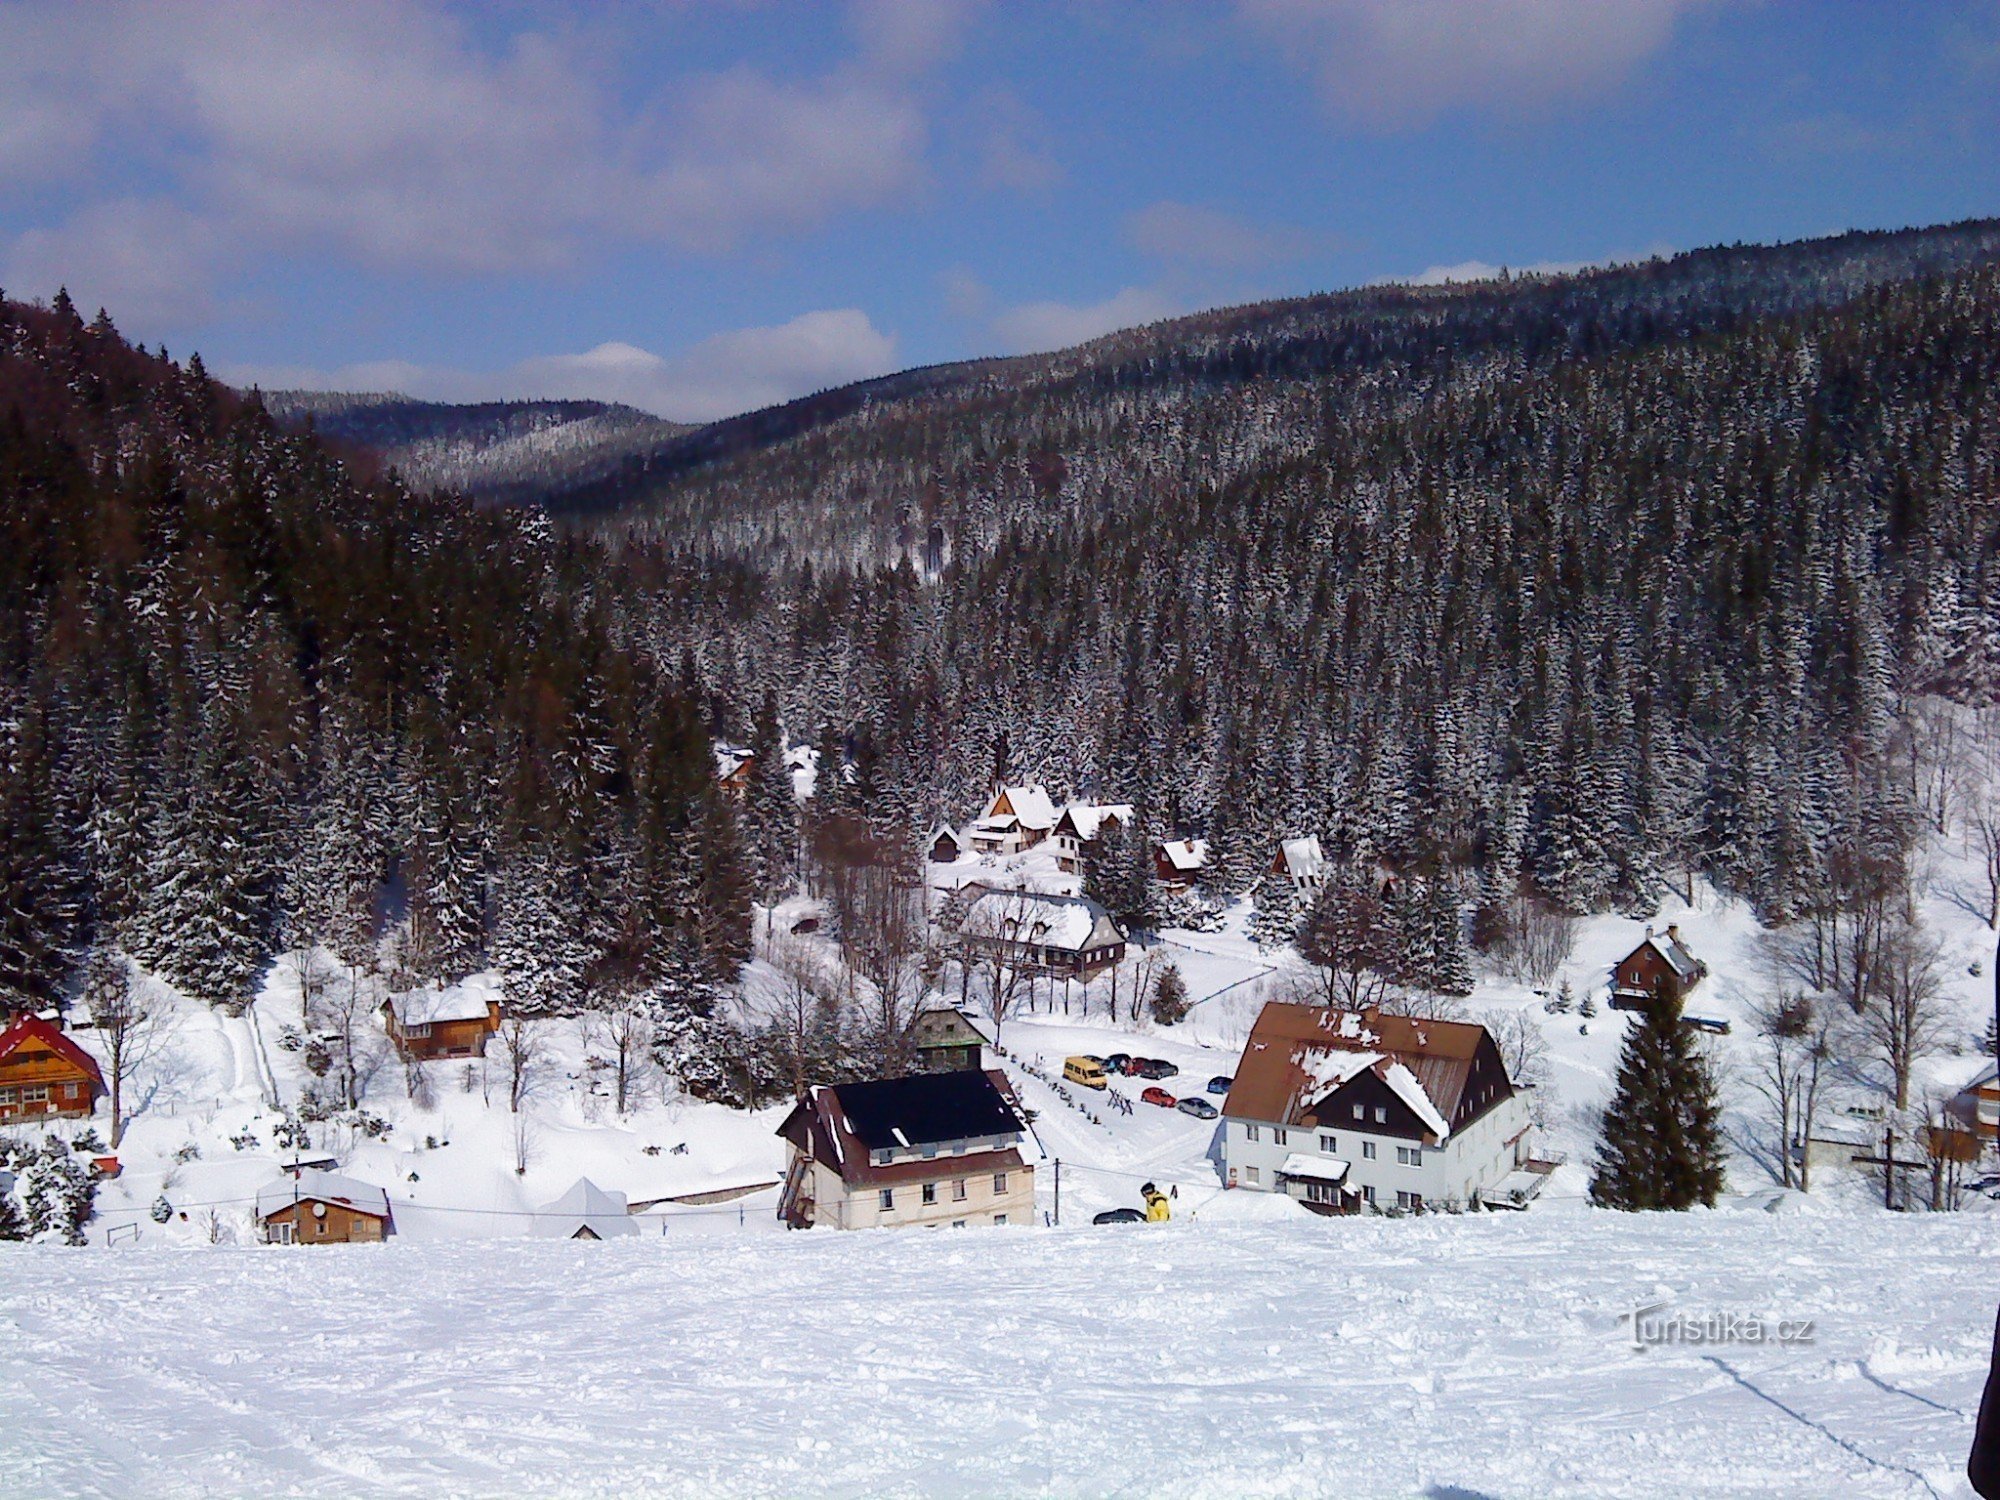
[{"x": 930, "y": 1107}]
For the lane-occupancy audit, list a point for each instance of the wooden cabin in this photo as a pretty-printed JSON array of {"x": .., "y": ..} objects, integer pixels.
[
  {"x": 44, "y": 1074},
  {"x": 1177, "y": 862},
  {"x": 947, "y": 1041},
  {"x": 944, "y": 845},
  {"x": 1062, "y": 935},
  {"x": 732, "y": 770},
  {"x": 1640, "y": 973},
  {"x": 1018, "y": 817},
  {"x": 435, "y": 1023},
  {"x": 320, "y": 1208},
  {"x": 1977, "y": 1106},
  {"x": 1082, "y": 823}
]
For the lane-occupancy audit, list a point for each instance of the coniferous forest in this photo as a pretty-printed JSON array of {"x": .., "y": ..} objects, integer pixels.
[{"x": 1580, "y": 585}]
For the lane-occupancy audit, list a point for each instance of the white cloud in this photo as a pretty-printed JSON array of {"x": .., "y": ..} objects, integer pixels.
[
  {"x": 1191, "y": 234},
  {"x": 149, "y": 262},
  {"x": 1036, "y": 327},
  {"x": 733, "y": 372},
  {"x": 1390, "y": 64},
  {"x": 393, "y": 133}
]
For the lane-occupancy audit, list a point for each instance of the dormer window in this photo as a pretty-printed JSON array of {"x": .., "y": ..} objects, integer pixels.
[{"x": 881, "y": 1156}]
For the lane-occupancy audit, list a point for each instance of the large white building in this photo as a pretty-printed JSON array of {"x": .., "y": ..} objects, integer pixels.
[{"x": 1352, "y": 1110}]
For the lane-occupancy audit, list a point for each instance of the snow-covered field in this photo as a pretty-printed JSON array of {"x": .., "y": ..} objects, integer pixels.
[
  {"x": 1245, "y": 1348},
  {"x": 1249, "y": 1350}
]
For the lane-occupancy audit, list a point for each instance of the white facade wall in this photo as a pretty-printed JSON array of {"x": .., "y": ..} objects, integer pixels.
[
  {"x": 1467, "y": 1164},
  {"x": 836, "y": 1206}
]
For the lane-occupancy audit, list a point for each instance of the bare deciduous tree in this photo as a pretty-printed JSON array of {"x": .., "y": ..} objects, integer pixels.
[
  {"x": 1789, "y": 1071},
  {"x": 996, "y": 944},
  {"x": 523, "y": 1053},
  {"x": 625, "y": 1031},
  {"x": 885, "y": 936},
  {"x": 803, "y": 1009},
  {"x": 1904, "y": 1016},
  {"x": 342, "y": 1011},
  {"x": 1348, "y": 937},
  {"x": 130, "y": 1030},
  {"x": 1523, "y": 1047}
]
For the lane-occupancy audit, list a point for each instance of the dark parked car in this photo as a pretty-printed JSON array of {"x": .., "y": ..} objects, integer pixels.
[
  {"x": 1131, "y": 1067},
  {"x": 1199, "y": 1107},
  {"x": 1153, "y": 1067},
  {"x": 1221, "y": 1083},
  {"x": 1118, "y": 1062},
  {"x": 1120, "y": 1216},
  {"x": 1160, "y": 1097}
]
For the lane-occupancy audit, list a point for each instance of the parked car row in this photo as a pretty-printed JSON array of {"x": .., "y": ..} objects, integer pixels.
[{"x": 1127, "y": 1066}]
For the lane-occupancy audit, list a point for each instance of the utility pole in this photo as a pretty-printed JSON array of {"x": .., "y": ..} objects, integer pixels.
[{"x": 1058, "y": 1190}]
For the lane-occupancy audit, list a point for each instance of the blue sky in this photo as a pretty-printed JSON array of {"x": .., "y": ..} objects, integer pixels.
[{"x": 704, "y": 207}]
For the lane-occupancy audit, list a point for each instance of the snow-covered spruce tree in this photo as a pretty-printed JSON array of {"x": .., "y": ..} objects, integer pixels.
[
  {"x": 58, "y": 1193},
  {"x": 13, "y": 1224},
  {"x": 1662, "y": 1144},
  {"x": 770, "y": 815},
  {"x": 1274, "y": 910},
  {"x": 1431, "y": 930},
  {"x": 1170, "y": 996}
]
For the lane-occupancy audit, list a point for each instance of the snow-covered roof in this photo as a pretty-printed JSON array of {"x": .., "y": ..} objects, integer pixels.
[
  {"x": 729, "y": 759},
  {"x": 1301, "y": 856},
  {"x": 1312, "y": 1164},
  {"x": 1086, "y": 816},
  {"x": 1005, "y": 823},
  {"x": 1403, "y": 1083},
  {"x": 311, "y": 1186},
  {"x": 1034, "y": 917},
  {"x": 1186, "y": 854},
  {"x": 465, "y": 1001},
  {"x": 1031, "y": 804},
  {"x": 586, "y": 1206}
]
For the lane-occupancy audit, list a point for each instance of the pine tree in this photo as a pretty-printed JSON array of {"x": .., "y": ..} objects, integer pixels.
[
  {"x": 1662, "y": 1146},
  {"x": 1170, "y": 996},
  {"x": 1275, "y": 910},
  {"x": 770, "y": 814}
]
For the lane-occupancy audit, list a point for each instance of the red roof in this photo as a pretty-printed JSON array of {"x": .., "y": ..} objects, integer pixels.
[{"x": 24, "y": 1027}]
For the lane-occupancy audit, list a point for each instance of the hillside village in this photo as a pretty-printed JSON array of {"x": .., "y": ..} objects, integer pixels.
[{"x": 1061, "y": 1066}]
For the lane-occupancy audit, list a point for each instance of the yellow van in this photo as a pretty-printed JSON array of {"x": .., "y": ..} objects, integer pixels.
[{"x": 1085, "y": 1072}]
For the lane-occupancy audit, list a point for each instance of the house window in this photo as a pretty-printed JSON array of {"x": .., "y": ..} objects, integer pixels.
[
  {"x": 1412, "y": 1201},
  {"x": 930, "y": 1193},
  {"x": 1321, "y": 1192},
  {"x": 1326, "y": 1144},
  {"x": 6, "y": 1096},
  {"x": 1381, "y": 1115},
  {"x": 999, "y": 1218},
  {"x": 1368, "y": 1151},
  {"x": 1250, "y": 1174},
  {"x": 418, "y": 1030},
  {"x": 880, "y": 1156},
  {"x": 958, "y": 1191},
  {"x": 1410, "y": 1156},
  {"x": 1279, "y": 1137},
  {"x": 888, "y": 1199},
  {"x": 1360, "y": 1113},
  {"x": 1252, "y": 1133},
  {"x": 930, "y": 1149},
  {"x": 36, "y": 1094},
  {"x": 999, "y": 1184},
  {"x": 958, "y": 1223},
  {"x": 1368, "y": 1196}
]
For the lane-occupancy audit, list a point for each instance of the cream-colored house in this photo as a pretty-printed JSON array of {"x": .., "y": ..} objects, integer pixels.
[{"x": 939, "y": 1149}]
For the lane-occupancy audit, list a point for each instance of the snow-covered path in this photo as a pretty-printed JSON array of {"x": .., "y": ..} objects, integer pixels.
[{"x": 1253, "y": 1354}]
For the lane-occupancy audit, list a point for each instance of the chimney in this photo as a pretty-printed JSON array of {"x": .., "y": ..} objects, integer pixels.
[
  {"x": 1649, "y": 929},
  {"x": 1673, "y": 932}
]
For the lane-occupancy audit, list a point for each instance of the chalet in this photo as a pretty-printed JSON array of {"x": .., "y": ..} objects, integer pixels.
[
  {"x": 1301, "y": 862},
  {"x": 585, "y": 1212},
  {"x": 732, "y": 770},
  {"x": 1063, "y": 935},
  {"x": 1177, "y": 862},
  {"x": 1976, "y": 1107},
  {"x": 1639, "y": 973},
  {"x": 1018, "y": 817},
  {"x": 1079, "y": 824},
  {"x": 935, "y": 1149},
  {"x": 947, "y": 1040},
  {"x": 432, "y": 1023},
  {"x": 320, "y": 1208},
  {"x": 1353, "y": 1110},
  {"x": 43, "y": 1073},
  {"x": 944, "y": 845}
]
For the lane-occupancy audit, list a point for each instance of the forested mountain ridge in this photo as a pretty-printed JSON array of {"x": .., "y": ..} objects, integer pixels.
[
  {"x": 501, "y": 452},
  {"x": 251, "y": 702},
  {"x": 1591, "y": 580}
]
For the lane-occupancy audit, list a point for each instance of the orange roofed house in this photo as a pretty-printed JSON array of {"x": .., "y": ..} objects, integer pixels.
[
  {"x": 1351, "y": 1110},
  {"x": 43, "y": 1073}
]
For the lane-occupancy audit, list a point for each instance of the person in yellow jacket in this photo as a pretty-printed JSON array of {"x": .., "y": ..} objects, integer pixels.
[{"x": 1158, "y": 1210}]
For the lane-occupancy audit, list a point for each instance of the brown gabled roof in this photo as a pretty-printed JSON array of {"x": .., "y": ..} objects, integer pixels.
[
  {"x": 52, "y": 1036},
  {"x": 1284, "y": 1068}
]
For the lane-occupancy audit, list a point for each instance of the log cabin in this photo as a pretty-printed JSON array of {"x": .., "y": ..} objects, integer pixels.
[
  {"x": 44, "y": 1074},
  {"x": 319, "y": 1208},
  {"x": 436, "y": 1023}
]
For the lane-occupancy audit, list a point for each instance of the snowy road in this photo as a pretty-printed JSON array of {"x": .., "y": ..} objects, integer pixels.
[{"x": 1475, "y": 1356}]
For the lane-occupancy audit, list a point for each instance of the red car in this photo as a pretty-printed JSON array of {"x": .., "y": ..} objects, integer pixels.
[{"x": 1160, "y": 1097}]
